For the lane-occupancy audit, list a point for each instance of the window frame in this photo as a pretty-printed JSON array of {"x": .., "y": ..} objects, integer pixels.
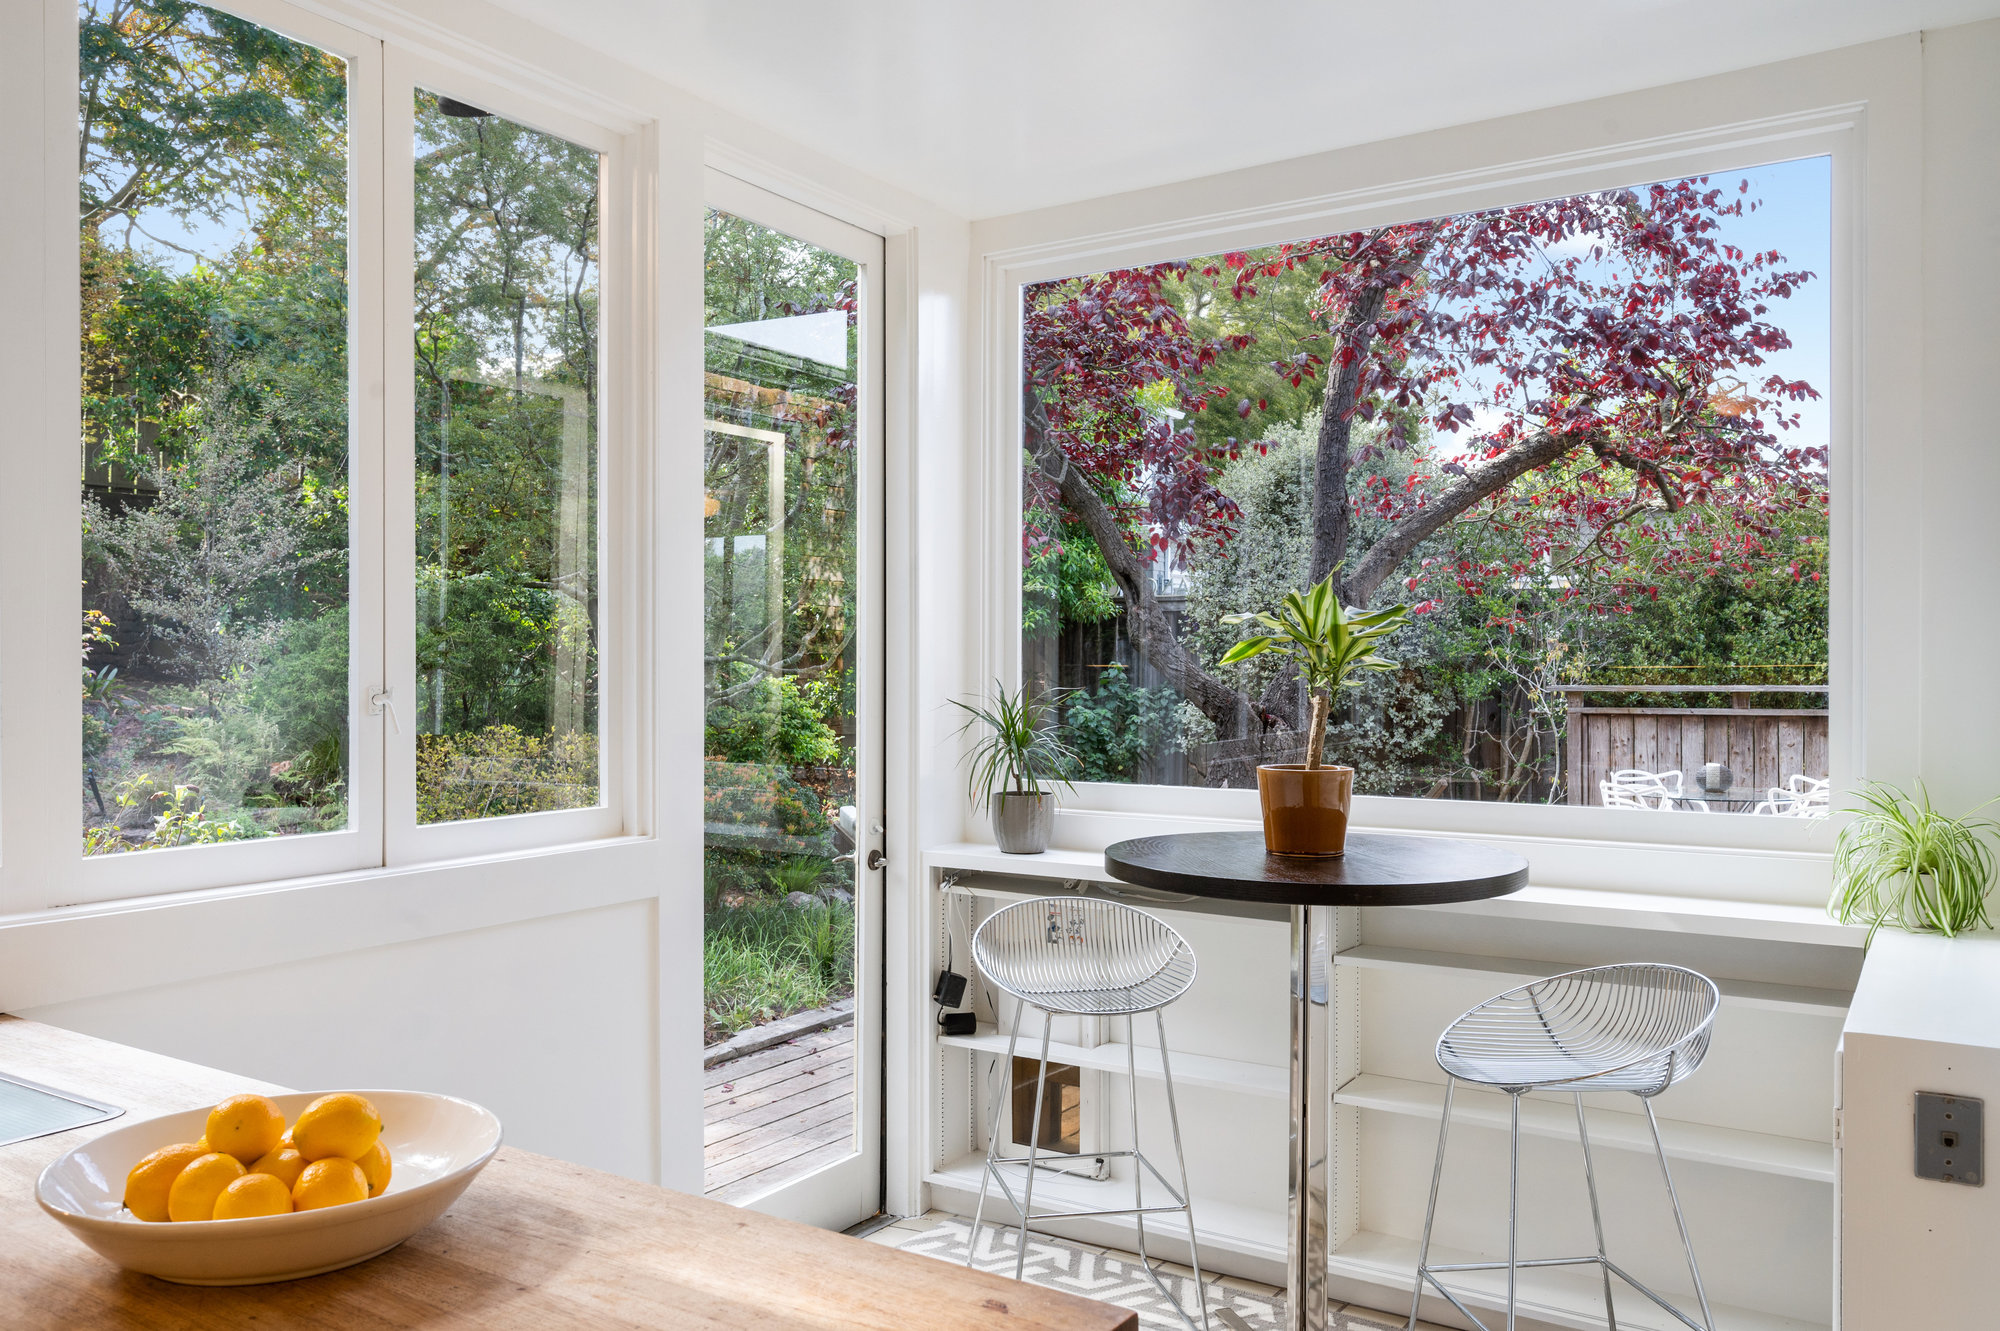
[
  {"x": 41, "y": 864},
  {"x": 406, "y": 841},
  {"x": 1593, "y": 840}
]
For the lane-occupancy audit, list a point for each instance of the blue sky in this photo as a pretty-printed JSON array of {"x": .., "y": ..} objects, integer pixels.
[{"x": 1796, "y": 219}]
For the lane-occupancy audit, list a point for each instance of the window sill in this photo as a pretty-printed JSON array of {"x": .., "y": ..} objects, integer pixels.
[{"x": 1698, "y": 916}]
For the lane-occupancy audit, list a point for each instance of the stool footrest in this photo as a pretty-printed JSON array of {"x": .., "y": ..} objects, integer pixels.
[{"x": 1428, "y": 1272}]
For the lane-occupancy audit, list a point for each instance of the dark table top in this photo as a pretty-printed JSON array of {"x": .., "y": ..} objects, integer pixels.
[{"x": 1378, "y": 869}]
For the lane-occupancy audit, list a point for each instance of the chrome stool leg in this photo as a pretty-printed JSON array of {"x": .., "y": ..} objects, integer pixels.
[
  {"x": 1430, "y": 1210},
  {"x": 1513, "y": 1198},
  {"x": 993, "y": 1137},
  {"x": 1034, "y": 1142},
  {"x": 1180, "y": 1158},
  {"x": 1596, "y": 1216},
  {"x": 1138, "y": 1166},
  {"x": 1707, "y": 1319}
]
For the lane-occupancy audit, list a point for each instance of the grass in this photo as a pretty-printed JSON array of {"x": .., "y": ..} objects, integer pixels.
[{"x": 768, "y": 959}]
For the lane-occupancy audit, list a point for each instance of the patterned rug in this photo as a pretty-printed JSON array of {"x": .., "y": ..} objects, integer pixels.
[{"x": 1058, "y": 1264}]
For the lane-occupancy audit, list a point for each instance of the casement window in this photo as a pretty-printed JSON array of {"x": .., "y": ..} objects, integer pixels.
[
  {"x": 1588, "y": 440},
  {"x": 346, "y": 563}
]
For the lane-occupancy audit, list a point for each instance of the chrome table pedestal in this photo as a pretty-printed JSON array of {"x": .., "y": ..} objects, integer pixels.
[{"x": 1377, "y": 870}]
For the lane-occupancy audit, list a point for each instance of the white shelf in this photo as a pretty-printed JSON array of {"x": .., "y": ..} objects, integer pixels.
[
  {"x": 1761, "y": 1152},
  {"x": 1563, "y": 1296},
  {"x": 1708, "y": 917},
  {"x": 1741, "y": 993},
  {"x": 1226, "y": 1074}
]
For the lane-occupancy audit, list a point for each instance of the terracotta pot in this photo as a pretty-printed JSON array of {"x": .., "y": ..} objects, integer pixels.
[
  {"x": 1022, "y": 823},
  {"x": 1305, "y": 812}
]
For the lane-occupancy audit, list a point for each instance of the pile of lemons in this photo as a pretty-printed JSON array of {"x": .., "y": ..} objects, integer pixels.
[{"x": 249, "y": 1163}]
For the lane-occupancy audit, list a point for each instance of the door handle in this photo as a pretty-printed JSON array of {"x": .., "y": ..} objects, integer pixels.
[{"x": 877, "y": 860}]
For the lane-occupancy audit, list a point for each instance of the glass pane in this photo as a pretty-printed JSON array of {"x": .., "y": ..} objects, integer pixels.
[
  {"x": 1584, "y": 441},
  {"x": 506, "y": 436},
  {"x": 213, "y": 234},
  {"x": 780, "y": 652}
]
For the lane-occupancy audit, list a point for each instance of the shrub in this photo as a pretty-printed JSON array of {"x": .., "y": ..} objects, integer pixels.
[
  {"x": 1117, "y": 726},
  {"x": 776, "y": 721},
  {"x": 300, "y": 685},
  {"x": 767, "y": 961},
  {"x": 498, "y": 770}
]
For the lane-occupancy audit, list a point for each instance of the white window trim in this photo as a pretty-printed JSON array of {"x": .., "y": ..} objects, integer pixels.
[
  {"x": 41, "y": 865},
  {"x": 1856, "y": 106}
]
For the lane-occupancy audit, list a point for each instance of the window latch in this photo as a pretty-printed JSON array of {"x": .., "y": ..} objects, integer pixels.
[{"x": 384, "y": 700}]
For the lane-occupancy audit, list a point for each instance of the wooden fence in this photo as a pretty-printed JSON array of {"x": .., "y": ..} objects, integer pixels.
[{"x": 1762, "y": 746}]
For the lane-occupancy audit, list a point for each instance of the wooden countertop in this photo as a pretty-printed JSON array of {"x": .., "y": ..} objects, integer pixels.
[{"x": 535, "y": 1244}]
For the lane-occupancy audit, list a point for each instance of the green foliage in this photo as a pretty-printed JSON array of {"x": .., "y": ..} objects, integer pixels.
[
  {"x": 226, "y": 751},
  {"x": 760, "y": 796},
  {"x": 798, "y": 873},
  {"x": 182, "y": 820},
  {"x": 484, "y": 661},
  {"x": 499, "y": 770},
  {"x": 1020, "y": 749},
  {"x": 1114, "y": 728},
  {"x": 300, "y": 680},
  {"x": 775, "y": 720},
  {"x": 96, "y": 737},
  {"x": 1318, "y": 634},
  {"x": 768, "y": 960},
  {"x": 1901, "y": 862}
]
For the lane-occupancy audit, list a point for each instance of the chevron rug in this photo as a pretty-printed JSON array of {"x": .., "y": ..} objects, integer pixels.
[{"x": 1058, "y": 1264}]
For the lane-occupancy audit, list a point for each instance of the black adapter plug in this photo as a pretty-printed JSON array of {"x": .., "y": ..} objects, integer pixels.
[{"x": 949, "y": 990}]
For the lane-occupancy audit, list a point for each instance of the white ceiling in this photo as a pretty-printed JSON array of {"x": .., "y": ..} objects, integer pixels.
[{"x": 994, "y": 106}]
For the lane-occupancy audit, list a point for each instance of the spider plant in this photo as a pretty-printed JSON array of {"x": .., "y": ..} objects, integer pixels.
[
  {"x": 1020, "y": 751},
  {"x": 1902, "y": 862},
  {"x": 1327, "y": 643}
]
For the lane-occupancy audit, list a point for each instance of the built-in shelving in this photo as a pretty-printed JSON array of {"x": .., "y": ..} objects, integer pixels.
[
  {"x": 1226, "y": 1074},
  {"x": 1762, "y": 1152},
  {"x": 1742, "y": 993},
  {"x": 1562, "y": 1296}
]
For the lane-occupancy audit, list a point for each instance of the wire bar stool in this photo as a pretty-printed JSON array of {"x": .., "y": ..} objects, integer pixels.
[
  {"x": 1634, "y": 1027},
  {"x": 1084, "y": 957}
]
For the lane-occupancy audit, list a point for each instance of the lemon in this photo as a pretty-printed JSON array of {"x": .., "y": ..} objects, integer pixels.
[
  {"x": 193, "y": 1195},
  {"x": 146, "y": 1186},
  {"x": 251, "y": 1195},
  {"x": 283, "y": 1164},
  {"x": 375, "y": 1168},
  {"x": 329, "y": 1182},
  {"x": 245, "y": 1126},
  {"x": 342, "y": 1125}
]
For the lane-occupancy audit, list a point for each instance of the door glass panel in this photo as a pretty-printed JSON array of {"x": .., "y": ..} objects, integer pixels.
[
  {"x": 214, "y": 437},
  {"x": 506, "y": 345},
  {"x": 780, "y": 661}
]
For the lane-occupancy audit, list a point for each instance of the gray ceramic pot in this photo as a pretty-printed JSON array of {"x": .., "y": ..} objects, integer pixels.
[{"x": 1022, "y": 823}]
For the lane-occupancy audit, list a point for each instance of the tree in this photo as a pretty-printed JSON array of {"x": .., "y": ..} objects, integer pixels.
[{"x": 1590, "y": 356}]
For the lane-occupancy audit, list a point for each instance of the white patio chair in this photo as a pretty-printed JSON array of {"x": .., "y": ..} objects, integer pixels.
[
  {"x": 1639, "y": 777},
  {"x": 1657, "y": 798}
]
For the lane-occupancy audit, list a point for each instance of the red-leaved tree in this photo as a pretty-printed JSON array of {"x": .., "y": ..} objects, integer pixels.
[{"x": 1592, "y": 365}]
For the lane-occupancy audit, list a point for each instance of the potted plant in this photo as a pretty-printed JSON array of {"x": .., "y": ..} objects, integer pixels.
[
  {"x": 1008, "y": 767},
  {"x": 1902, "y": 862},
  {"x": 1306, "y": 804}
]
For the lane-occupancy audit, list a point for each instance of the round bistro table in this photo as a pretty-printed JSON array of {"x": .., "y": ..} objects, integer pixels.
[{"x": 1377, "y": 870}]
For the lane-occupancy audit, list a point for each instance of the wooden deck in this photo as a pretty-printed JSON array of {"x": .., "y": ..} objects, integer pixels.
[{"x": 777, "y": 1115}]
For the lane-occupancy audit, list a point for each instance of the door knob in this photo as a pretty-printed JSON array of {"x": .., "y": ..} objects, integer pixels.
[{"x": 877, "y": 860}]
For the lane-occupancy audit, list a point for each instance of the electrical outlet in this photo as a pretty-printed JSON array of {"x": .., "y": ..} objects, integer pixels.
[{"x": 1951, "y": 1143}]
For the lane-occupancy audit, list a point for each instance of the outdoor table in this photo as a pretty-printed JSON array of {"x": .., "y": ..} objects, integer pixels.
[
  {"x": 1731, "y": 799},
  {"x": 1377, "y": 870}
]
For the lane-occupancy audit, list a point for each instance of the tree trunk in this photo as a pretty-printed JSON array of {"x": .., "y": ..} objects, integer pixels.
[
  {"x": 1145, "y": 621},
  {"x": 1316, "y": 736}
]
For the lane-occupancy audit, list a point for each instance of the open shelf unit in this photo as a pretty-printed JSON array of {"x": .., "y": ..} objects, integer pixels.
[
  {"x": 1761, "y": 1152},
  {"x": 1563, "y": 1296}
]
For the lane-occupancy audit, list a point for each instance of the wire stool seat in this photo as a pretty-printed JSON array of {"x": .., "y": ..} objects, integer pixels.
[
  {"x": 1633, "y": 1027},
  {"x": 1086, "y": 957}
]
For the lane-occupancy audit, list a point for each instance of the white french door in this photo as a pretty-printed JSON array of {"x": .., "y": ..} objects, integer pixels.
[{"x": 793, "y": 672}]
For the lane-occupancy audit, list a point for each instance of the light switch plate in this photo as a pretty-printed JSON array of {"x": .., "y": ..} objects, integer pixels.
[{"x": 1951, "y": 1146}]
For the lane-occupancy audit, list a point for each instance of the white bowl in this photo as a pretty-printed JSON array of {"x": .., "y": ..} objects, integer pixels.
[{"x": 436, "y": 1145}]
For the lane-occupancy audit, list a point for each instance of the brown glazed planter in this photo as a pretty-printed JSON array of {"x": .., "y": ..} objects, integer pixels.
[{"x": 1305, "y": 812}]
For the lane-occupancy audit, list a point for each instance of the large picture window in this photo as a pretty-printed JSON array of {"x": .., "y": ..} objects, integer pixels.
[{"x": 1585, "y": 440}]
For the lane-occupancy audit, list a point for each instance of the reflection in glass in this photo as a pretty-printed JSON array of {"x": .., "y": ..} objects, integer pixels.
[
  {"x": 780, "y": 669},
  {"x": 506, "y": 435},
  {"x": 214, "y": 459}
]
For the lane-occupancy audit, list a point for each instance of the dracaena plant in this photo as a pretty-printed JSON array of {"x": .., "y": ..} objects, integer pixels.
[
  {"x": 1902, "y": 862},
  {"x": 1020, "y": 750},
  {"x": 1328, "y": 644}
]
